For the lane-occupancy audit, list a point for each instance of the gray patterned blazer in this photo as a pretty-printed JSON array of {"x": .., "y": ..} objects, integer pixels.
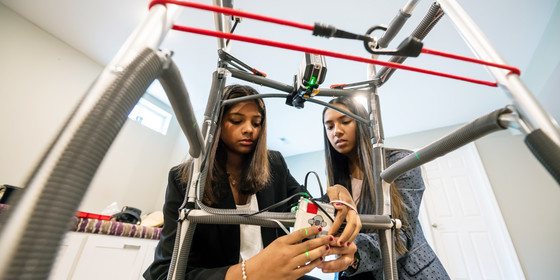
[{"x": 420, "y": 262}]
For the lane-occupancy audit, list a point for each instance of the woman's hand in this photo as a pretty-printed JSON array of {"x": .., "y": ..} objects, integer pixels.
[
  {"x": 353, "y": 223},
  {"x": 345, "y": 259},
  {"x": 286, "y": 257}
]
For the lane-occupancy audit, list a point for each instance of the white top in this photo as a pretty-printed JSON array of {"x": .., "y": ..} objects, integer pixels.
[
  {"x": 251, "y": 238},
  {"x": 356, "y": 189}
]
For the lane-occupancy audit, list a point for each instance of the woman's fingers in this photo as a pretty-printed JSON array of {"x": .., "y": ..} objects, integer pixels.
[
  {"x": 345, "y": 213},
  {"x": 333, "y": 192},
  {"x": 337, "y": 265},
  {"x": 357, "y": 225},
  {"x": 302, "y": 270},
  {"x": 352, "y": 228},
  {"x": 345, "y": 259},
  {"x": 288, "y": 258},
  {"x": 309, "y": 253},
  {"x": 315, "y": 243},
  {"x": 301, "y": 234},
  {"x": 317, "y": 250},
  {"x": 339, "y": 219}
]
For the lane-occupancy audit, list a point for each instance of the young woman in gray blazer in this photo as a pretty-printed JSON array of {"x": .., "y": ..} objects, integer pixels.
[{"x": 348, "y": 154}]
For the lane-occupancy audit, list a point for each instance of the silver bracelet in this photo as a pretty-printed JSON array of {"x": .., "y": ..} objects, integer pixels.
[{"x": 243, "y": 270}]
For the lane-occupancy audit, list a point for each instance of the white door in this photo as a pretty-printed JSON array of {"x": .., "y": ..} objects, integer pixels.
[{"x": 464, "y": 220}]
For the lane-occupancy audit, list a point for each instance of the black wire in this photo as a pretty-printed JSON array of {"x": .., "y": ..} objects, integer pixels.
[
  {"x": 318, "y": 181},
  {"x": 277, "y": 204},
  {"x": 232, "y": 29},
  {"x": 321, "y": 190},
  {"x": 284, "y": 201},
  {"x": 304, "y": 193},
  {"x": 321, "y": 208}
]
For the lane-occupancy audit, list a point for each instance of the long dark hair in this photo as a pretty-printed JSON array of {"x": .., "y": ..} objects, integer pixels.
[
  {"x": 255, "y": 171},
  {"x": 339, "y": 173}
]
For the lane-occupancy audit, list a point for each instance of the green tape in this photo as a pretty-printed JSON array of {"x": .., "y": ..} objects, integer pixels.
[{"x": 416, "y": 155}]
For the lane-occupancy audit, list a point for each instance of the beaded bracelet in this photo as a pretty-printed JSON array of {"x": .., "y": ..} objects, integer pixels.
[{"x": 243, "y": 270}]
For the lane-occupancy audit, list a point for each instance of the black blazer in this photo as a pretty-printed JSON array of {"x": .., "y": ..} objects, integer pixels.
[{"x": 215, "y": 248}]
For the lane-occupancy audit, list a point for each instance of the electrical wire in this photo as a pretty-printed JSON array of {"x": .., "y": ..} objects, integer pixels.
[
  {"x": 233, "y": 28},
  {"x": 318, "y": 181},
  {"x": 277, "y": 204}
]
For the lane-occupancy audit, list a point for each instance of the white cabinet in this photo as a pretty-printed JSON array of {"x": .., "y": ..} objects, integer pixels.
[
  {"x": 87, "y": 256},
  {"x": 68, "y": 255}
]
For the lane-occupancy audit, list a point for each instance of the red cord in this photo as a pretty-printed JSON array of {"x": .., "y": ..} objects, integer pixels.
[
  {"x": 515, "y": 70},
  {"x": 324, "y": 52},
  {"x": 229, "y": 11},
  {"x": 230, "y": 36}
]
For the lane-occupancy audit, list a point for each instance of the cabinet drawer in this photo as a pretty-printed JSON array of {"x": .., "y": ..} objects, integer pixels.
[{"x": 92, "y": 256}]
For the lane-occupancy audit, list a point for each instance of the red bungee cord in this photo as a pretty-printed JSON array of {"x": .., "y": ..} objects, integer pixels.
[
  {"x": 236, "y": 37},
  {"x": 232, "y": 12}
]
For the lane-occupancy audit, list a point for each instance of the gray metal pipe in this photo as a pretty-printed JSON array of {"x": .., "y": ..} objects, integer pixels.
[
  {"x": 461, "y": 136},
  {"x": 396, "y": 24},
  {"x": 178, "y": 96}
]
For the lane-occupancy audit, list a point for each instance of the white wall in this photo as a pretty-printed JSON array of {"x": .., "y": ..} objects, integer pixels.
[
  {"x": 543, "y": 72},
  {"x": 41, "y": 81},
  {"x": 300, "y": 164},
  {"x": 530, "y": 202}
]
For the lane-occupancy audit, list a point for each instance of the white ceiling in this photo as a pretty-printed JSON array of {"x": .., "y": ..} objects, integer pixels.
[{"x": 410, "y": 102}]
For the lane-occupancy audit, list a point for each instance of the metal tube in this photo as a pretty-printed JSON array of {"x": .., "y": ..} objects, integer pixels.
[
  {"x": 178, "y": 96},
  {"x": 242, "y": 75},
  {"x": 450, "y": 142},
  {"x": 396, "y": 24},
  {"x": 409, "y": 6},
  {"x": 388, "y": 254},
  {"x": 222, "y": 25},
  {"x": 209, "y": 215},
  {"x": 218, "y": 84},
  {"x": 340, "y": 92},
  {"x": 382, "y": 189},
  {"x": 185, "y": 241},
  {"x": 378, "y": 136},
  {"x": 425, "y": 26},
  {"x": 253, "y": 97},
  {"x": 529, "y": 108},
  {"x": 149, "y": 34}
]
